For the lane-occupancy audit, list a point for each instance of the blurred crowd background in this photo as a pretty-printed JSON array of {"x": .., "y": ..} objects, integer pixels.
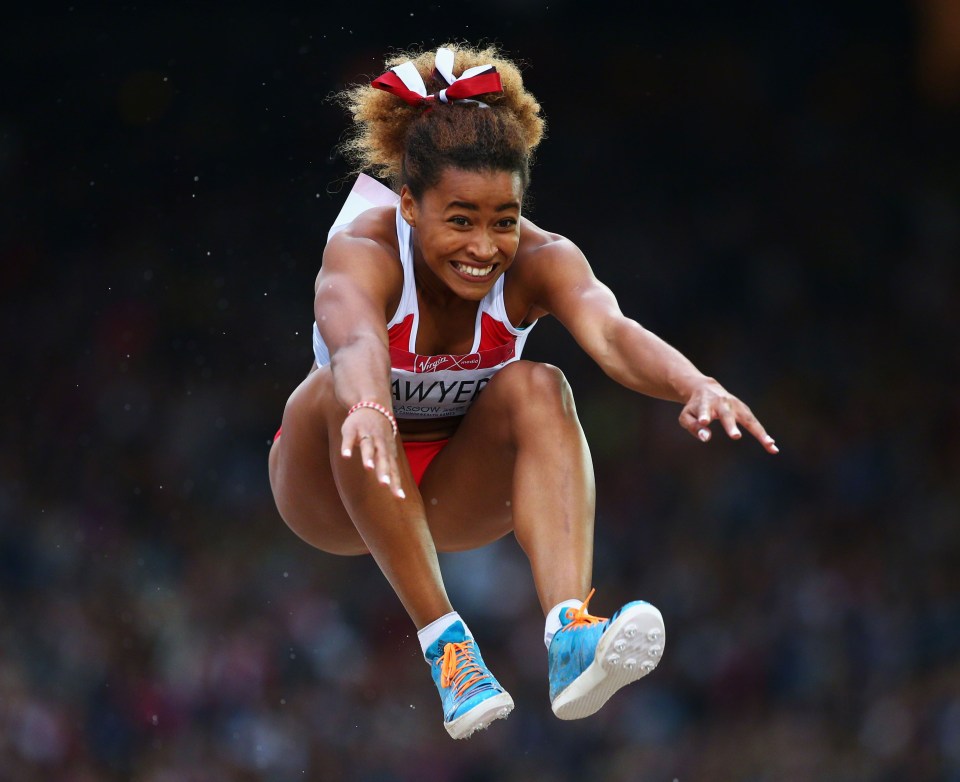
[{"x": 771, "y": 187}]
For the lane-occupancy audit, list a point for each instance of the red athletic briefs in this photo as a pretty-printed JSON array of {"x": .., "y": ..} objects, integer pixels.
[
  {"x": 421, "y": 454},
  {"x": 418, "y": 454}
]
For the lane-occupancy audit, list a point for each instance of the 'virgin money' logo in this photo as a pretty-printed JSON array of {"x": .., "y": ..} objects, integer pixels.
[{"x": 446, "y": 362}]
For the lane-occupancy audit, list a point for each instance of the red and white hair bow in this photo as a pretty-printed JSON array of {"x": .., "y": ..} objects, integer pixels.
[{"x": 405, "y": 82}]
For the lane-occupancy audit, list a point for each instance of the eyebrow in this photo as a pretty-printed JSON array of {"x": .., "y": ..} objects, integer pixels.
[{"x": 474, "y": 208}]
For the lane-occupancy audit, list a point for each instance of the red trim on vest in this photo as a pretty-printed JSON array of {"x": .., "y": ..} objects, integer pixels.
[
  {"x": 399, "y": 335},
  {"x": 493, "y": 333},
  {"x": 497, "y": 346}
]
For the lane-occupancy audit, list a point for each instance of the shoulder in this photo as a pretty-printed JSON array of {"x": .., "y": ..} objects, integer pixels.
[
  {"x": 363, "y": 260},
  {"x": 549, "y": 268},
  {"x": 543, "y": 255},
  {"x": 375, "y": 227},
  {"x": 539, "y": 247},
  {"x": 367, "y": 245}
]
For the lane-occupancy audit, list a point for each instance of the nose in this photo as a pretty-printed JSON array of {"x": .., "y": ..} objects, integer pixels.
[{"x": 483, "y": 247}]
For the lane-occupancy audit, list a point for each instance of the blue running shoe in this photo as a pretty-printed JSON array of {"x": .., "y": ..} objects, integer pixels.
[
  {"x": 471, "y": 697},
  {"x": 591, "y": 657}
]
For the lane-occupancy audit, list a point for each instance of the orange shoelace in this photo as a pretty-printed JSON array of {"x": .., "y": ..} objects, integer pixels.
[
  {"x": 459, "y": 666},
  {"x": 580, "y": 618}
]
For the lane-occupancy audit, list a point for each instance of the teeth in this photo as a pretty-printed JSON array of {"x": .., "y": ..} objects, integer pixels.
[{"x": 474, "y": 271}]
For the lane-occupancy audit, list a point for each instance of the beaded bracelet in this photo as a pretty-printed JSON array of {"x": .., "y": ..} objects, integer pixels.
[{"x": 379, "y": 408}]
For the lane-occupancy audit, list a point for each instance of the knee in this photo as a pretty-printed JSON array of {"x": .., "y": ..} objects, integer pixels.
[
  {"x": 307, "y": 419},
  {"x": 315, "y": 396},
  {"x": 536, "y": 388}
]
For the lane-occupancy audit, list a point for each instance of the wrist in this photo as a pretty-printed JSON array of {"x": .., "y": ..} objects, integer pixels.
[
  {"x": 686, "y": 385},
  {"x": 376, "y": 406}
]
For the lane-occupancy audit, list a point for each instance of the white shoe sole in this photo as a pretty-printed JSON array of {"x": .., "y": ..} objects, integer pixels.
[
  {"x": 480, "y": 716},
  {"x": 630, "y": 648}
]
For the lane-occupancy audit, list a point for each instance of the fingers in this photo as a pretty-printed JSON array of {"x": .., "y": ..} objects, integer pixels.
[
  {"x": 725, "y": 412},
  {"x": 697, "y": 416},
  {"x": 728, "y": 418},
  {"x": 387, "y": 471},
  {"x": 697, "y": 423},
  {"x": 704, "y": 417},
  {"x": 749, "y": 421},
  {"x": 755, "y": 428},
  {"x": 367, "y": 452},
  {"x": 377, "y": 455}
]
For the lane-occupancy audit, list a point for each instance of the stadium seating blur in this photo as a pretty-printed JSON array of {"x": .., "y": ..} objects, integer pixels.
[{"x": 774, "y": 192}]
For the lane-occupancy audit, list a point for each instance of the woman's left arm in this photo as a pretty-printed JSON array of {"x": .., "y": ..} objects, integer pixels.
[{"x": 566, "y": 287}]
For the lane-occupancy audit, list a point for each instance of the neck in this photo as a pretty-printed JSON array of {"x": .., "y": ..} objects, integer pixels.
[{"x": 433, "y": 291}]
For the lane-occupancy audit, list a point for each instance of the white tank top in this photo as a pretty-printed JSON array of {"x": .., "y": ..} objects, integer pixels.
[{"x": 431, "y": 386}]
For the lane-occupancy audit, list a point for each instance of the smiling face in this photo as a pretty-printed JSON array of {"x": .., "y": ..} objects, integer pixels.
[{"x": 467, "y": 229}]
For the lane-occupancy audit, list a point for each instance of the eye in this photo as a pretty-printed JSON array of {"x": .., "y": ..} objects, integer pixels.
[
  {"x": 507, "y": 223},
  {"x": 459, "y": 220}
]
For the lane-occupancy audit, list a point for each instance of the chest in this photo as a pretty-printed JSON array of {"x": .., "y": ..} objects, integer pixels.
[{"x": 441, "y": 331}]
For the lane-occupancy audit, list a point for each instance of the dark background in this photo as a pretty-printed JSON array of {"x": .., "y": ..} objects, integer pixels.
[{"x": 771, "y": 187}]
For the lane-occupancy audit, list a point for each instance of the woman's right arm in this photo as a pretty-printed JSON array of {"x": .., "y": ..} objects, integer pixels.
[{"x": 357, "y": 283}]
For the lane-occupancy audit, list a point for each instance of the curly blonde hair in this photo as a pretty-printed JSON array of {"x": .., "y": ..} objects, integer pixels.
[{"x": 412, "y": 145}]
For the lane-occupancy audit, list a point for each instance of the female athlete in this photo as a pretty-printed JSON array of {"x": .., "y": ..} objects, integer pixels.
[{"x": 419, "y": 429}]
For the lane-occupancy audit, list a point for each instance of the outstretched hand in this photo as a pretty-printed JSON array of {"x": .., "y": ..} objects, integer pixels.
[
  {"x": 710, "y": 402},
  {"x": 372, "y": 434}
]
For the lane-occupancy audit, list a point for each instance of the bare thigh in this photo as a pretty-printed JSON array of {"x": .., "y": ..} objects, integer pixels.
[
  {"x": 468, "y": 490},
  {"x": 304, "y": 487},
  {"x": 518, "y": 462}
]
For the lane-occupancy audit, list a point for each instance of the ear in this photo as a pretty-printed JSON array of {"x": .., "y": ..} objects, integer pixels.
[{"x": 408, "y": 206}]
